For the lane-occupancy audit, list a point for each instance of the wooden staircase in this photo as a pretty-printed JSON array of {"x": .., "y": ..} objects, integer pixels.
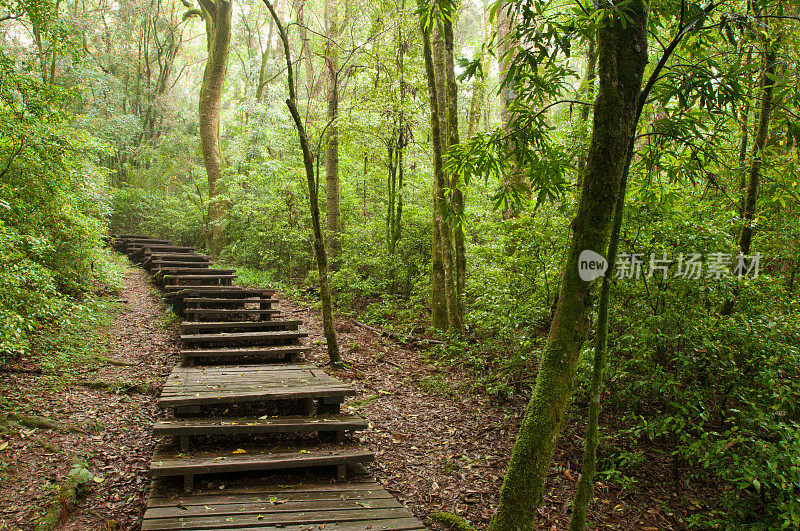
[{"x": 242, "y": 403}]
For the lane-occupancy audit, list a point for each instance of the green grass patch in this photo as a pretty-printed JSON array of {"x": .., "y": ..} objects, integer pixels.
[{"x": 78, "y": 340}]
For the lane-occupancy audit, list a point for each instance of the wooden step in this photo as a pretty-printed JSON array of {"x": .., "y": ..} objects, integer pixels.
[
  {"x": 356, "y": 505},
  {"x": 177, "y": 296},
  {"x": 225, "y": 302},
  {"x": 223, "y": 312},
  {"x": 248, "y": 506},
  {"x": 123, "y": 243},
  {"x": 236, "y": 426},
  {"x": 210, "y": 275},
  {"x": 178, "y": 257},
  {"x": 231, "y": 292},
  {"x": 358, "y": 488},
  {"x": 168, "y": 461},
  {"x": 193, "y": 271},
  {"x": 155, "y": 266},
  {"x": 199, "y": 279},
  {"x": 226, "y": 326},
  {"x": 147, "y": 249},
  {"x": 289, "y": 352},
  {"x": 220, "y": 385},
  {"x": 179, "y": 287},
  {"x": 237, "y": 338},
  {"x": 166, "y": 247}
]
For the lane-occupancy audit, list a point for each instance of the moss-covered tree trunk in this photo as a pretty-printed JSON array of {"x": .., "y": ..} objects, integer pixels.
[
  {"x": 218, "y": 27},
  {"x": 622, "y": 56},
  {"x": 456, "y": 196},
  {"x": 441, "y": 248},
  {"x": 328, "y": 329},
  {"x": 448, "y": 199}
]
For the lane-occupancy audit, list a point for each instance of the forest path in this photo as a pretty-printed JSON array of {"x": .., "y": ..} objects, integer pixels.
[
  {"x": 118, "y": 443},
  {"x": 442, "y": 447},
  {"x": 436, "y": 449}
]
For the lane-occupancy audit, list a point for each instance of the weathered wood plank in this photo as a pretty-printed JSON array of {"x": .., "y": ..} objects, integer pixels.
[
  {"x": 280, "y": 507},
  {"x": 245, "y": 352},
  {"x": 235, "y": 337},
  {"x": 221, "y": 326},
  {"x": 210, "y": 300},
  {"x": 282, "y": 424},
  {"x": 332, "y": 494},
  {"x": 261, "y": 395},
  {"x": 395, "y": 524},
  {"x": 167, "y": 464}
]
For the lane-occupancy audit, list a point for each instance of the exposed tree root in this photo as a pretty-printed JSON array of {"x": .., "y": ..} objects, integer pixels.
[
  {"x": 33, "y": 421},
  {"x": 122, "y": 387}
]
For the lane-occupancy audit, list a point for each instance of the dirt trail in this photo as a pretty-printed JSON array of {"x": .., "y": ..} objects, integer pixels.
[
  {"x": 439, "y": 450},
  {"x": 119, "y": 441},
  {"x": 435, "y": 450}
]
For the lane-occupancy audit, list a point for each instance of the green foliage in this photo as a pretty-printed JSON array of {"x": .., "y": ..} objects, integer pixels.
[{"x": 52, "y": 207}]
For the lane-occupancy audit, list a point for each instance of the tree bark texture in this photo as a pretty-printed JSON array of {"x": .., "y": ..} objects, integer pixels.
[
  {"x": 439, "y": 310},
  {"x": 332, "y": 214},
  {"x": 220, "y": 14}
]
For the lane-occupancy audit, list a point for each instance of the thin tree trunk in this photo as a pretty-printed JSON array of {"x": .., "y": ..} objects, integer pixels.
[
  {"x": 622, "y": 56},
  {"x": 439, "y": 313},
  {"x": 459, "y": 261},
  {"x": 479, "y": 85},
  {"x": 329, "y": 331},
  {"x": 588, "y": 93},
  {"x": 506, "y": 25},
  {"x": 265, "y": 58},
  {"x": 220, "y": 13},
  {"x": 583, "y": 492},
  {"x": 759, "y": 142},
  {"x": 332, "y": 151},
  {"x": 305, "y": 53},
  {"x": 745, "y": 135}
]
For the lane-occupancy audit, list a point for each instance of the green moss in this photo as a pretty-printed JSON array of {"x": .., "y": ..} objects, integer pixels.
[{"x": 453, "y": 521}]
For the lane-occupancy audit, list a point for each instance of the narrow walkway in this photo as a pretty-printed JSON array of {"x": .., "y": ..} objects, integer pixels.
[{"x": 251, "y": 414}]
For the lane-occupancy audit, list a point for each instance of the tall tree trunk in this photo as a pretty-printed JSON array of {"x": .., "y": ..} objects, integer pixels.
[
  {"x": 506, "y": 42},
  {"x": 219, "y": 14},
  {"x": 305, "y": 52},
  {"x": 748, "y": 207},
  {"x": 328, "y": 328},
  {"x": 265, "y": 58},
  {"x": 745, "y": 114},
  {"x": 396, "y": 148},
  {"x": 459, "y": 263},
  {"x": 439, "y": 281},
  {"x": 479, "y": 85},
  {"x": 588, "y": 93},
  {"x": 759, "y": 142},
  {"x": 332, "y": 151},
  {"x": 622, "y": 56}
]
